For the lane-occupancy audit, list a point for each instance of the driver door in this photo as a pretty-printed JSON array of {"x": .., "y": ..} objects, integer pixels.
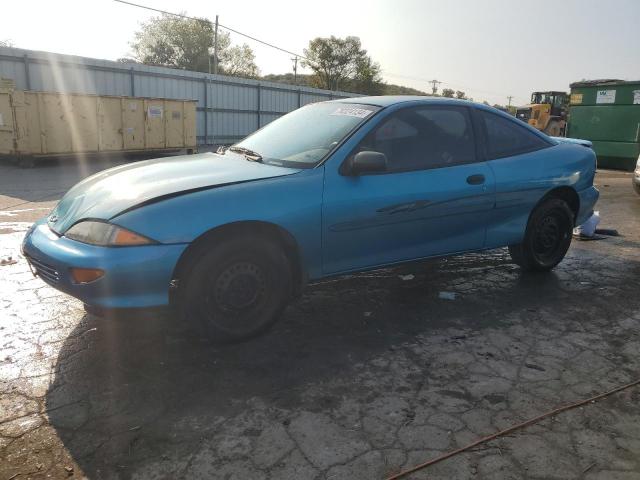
[{"x": 434, "y": 197}]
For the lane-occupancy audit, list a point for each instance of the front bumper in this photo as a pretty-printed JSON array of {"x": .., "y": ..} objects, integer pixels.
[{"x": 134, "y": 276}]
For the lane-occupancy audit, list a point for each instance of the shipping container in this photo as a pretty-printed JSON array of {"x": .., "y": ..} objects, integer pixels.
[
  {"x": 43, "y": 124},
  {"x": 229, "y": 108},
  {"x": 607, "y": 112}
]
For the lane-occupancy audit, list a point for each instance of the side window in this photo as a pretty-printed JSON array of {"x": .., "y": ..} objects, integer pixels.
[
  {"x": 505, "y": 137},
  {"x": 424, "y": 137}
]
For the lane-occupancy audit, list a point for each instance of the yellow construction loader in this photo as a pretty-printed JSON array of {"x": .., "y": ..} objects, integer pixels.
[{"x": 546, "y": 112}]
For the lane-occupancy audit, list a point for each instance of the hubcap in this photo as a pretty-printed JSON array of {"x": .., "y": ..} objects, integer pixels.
[
  {"x": 549, "y": 235},
  {"x": 239, "y": 287}
]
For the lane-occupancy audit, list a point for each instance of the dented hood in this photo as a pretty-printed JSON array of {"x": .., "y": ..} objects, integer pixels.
[{"x": 110, "y": 192}]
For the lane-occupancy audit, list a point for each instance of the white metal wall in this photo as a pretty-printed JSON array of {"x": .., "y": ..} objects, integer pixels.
[{"x": 229, "y": 108}]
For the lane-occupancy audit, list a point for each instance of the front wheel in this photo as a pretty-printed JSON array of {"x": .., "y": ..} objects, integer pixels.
[
  {"x": 547, "y": 237},
  {"x": 235, "y": 289}
]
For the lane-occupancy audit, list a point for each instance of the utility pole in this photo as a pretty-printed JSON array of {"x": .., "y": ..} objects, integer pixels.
[
  {"x": 509, "y": 98},
  {"x": 434, "y": 86},
  {"x": 295, "y": 70},
  {"x": 215, "y": 48}
]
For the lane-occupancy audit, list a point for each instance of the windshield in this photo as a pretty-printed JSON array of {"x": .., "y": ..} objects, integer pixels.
[
  {"x": 541, "y": 97},
  {"x": 547, "y": 97},
  {"x": 305, "y": 136}
]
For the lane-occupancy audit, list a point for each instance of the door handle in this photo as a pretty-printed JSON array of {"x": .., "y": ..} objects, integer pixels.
[{"x": 475, "y": 179}]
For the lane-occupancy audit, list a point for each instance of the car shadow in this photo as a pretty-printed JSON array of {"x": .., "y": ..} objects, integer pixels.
[{"x": 129, "y": 388}]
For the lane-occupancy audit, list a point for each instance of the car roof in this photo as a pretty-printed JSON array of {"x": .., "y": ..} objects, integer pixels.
[{"x": 388, "y": 100}]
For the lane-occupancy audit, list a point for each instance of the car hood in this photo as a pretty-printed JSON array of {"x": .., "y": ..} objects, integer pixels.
[
  {"x": 110, "y": 192},
  {"x": 576, "y": 141}
]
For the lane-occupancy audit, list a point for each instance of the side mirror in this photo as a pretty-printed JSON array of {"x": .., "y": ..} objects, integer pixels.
[{"x": 366, "y": 162}]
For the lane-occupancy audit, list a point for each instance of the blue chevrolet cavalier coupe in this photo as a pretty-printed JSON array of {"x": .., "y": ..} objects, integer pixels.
[{"x": 334, "y": 187}]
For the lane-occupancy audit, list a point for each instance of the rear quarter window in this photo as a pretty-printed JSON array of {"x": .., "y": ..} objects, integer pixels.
[{"x": 505, "y": 137}]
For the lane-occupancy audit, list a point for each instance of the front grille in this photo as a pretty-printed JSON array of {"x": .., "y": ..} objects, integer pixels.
[{"x": 45, "y": 271}]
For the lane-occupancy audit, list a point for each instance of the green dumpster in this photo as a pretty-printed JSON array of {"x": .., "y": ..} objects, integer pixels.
[{"x": 607, "y": 112}]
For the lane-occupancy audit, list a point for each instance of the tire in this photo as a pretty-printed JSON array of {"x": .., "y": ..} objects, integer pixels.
[
  {"x": 547, "y": 237},
  {"x": 235, "y": 289},
  {"x": 636, "y": 185}
]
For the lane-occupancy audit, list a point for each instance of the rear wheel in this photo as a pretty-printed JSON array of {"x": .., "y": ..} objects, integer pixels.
[
  {"x": 235, "y": 289},
  {"x": 547, "y": 237}
]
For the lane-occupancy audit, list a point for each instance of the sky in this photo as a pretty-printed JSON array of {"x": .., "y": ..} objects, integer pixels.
[{"x": 491, "y": 49}]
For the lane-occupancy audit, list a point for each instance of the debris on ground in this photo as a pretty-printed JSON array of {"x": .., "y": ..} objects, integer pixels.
[
  {"x": 589, "y": 231},
  {"x": 588, "y": 228},
  {"x": 447, "y": 295},
  {"x": 7, "y": 261},
  {"x": 611, "y": 232}
]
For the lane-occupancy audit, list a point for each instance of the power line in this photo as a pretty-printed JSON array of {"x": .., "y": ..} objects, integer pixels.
[
  {"x": 460, "y": 87},
  {"x": 434, "y": 85},
  {"x": 211, "y": 23},
  {"x": 297, "y": 55},
  {"x": 216, "y": 54},
  {"x": 295, "y": 70}
]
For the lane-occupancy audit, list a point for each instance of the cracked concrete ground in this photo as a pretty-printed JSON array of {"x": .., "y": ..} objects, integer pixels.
[{"x": 363, "y": 376}]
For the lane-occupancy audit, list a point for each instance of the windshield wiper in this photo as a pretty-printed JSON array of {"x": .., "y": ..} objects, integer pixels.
[{"x": 248, "y": 154}]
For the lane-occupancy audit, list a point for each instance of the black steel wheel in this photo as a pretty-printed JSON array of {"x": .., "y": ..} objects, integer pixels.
[
  {"x": 235, "y": 289},
  {"x": 547, "y": 237}
]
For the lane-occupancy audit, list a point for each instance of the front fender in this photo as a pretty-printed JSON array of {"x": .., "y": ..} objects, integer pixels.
[{"x": 292, "y": 203}]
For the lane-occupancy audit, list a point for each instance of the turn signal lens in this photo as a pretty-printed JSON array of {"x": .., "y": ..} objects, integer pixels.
[
  {"x": 125, "y": 237},
  {"x": 86, "y": 275}
]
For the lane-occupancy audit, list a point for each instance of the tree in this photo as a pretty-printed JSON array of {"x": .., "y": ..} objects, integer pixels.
[
  {"x": 239, "y": 60},
  {"x": 367, "y": 78},
  {"x": 6, "y": 43},
  {"x": 461, "y": 95},
  {"x": 448, "y": 92},
  {"x": 187, "y": 43},
  {"x": 338, "y": 62},
  {"x": 176, "y": 42}
]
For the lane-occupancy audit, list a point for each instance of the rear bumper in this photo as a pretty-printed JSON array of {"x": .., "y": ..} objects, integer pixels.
[
  {"x": 134, "y": 276},
  {"x": 588, "y": 198}
]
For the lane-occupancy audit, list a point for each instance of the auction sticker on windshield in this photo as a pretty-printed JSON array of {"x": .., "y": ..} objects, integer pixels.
[{"x": 352, "y": 112}]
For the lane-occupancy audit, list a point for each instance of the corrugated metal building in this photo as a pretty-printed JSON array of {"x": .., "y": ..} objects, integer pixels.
[{"x": 229, "y": 108}]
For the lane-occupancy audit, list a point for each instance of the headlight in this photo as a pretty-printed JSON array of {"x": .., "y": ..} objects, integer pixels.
[{"x": 105, "y": 234}]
